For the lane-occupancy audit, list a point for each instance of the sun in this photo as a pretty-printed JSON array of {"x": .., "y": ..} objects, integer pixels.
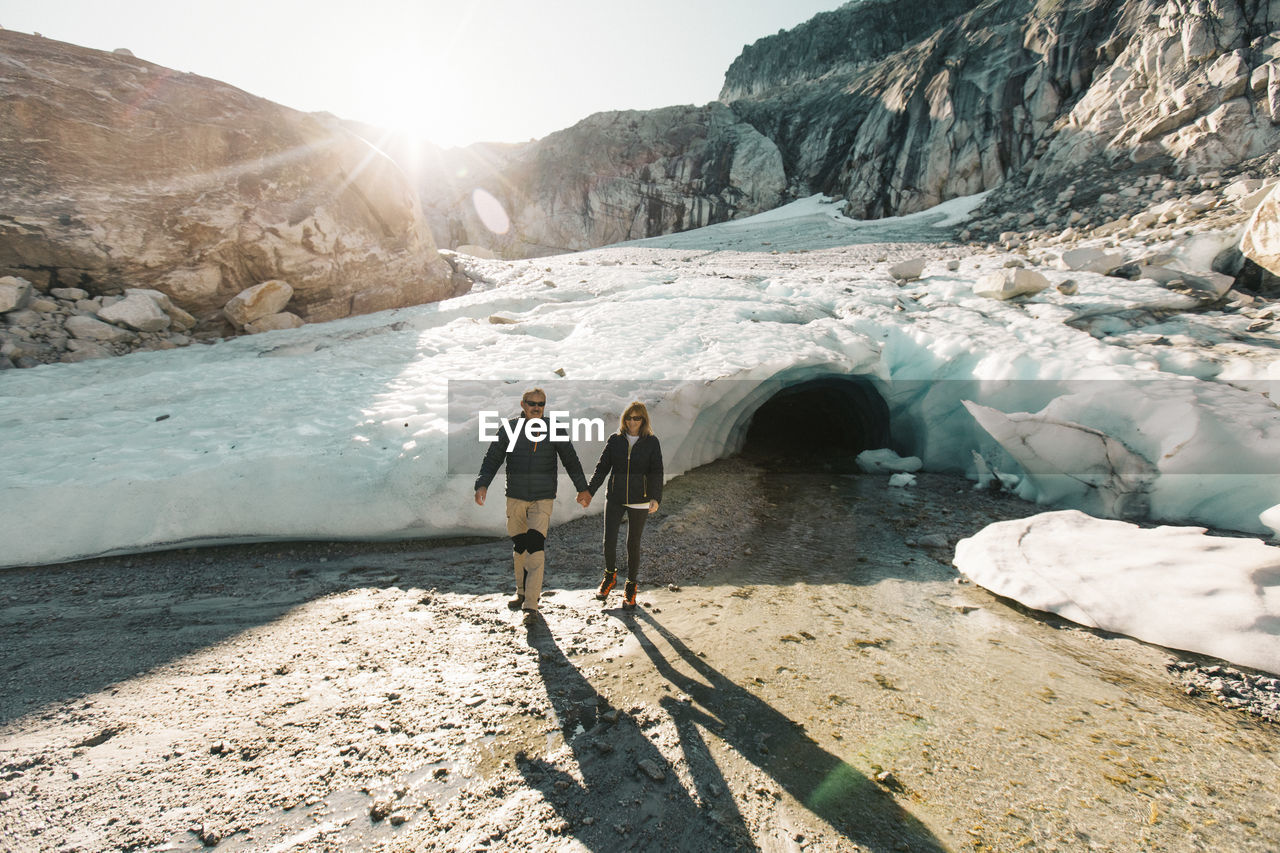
[
  {"x": 407, "y": 114},
  {"x": 418, "y": 89}
]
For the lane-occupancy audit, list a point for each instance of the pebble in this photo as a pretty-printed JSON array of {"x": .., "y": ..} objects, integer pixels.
[
  {"x": 1258, "y": 695},
  {"x": 652, "y": 770}
]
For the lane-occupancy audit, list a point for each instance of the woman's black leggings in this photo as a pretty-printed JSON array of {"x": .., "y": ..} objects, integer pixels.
[{"x": 635, "y": 527}]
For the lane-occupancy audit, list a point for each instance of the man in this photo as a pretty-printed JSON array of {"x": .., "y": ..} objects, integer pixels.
[{"x": 531, "y": 492}]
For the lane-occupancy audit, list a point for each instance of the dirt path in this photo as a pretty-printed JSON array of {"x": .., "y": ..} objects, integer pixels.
[{"x": 811, "y": 681}]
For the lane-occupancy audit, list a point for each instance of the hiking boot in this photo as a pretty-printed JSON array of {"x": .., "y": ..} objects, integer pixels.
[
  {"x": 606, "y": 585},
  {"x": 516, "y": 603},
  {"x": 530, "y": 617},
  {"x": 629, "y": 596}
]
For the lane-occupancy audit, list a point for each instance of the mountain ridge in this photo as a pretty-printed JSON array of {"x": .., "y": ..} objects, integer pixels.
[
  {"x": 1079, "y": 120},
  {"x": 897, "y": 107}
]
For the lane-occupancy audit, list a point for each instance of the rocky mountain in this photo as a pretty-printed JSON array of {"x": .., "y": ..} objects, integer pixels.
[
  {"x": 613, "y": 176},
  {"x": 118, "y": 174},
  {"x": 122, "y": 181},
  {"x": 897, "y": 105}
]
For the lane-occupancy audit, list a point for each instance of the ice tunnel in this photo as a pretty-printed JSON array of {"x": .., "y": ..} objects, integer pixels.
[
  {"x": 814, "y": 414},
  {"x": 825, "y": 417}
]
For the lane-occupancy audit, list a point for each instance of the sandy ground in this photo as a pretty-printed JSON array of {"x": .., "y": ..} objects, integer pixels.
[{"x": 800, "y": 676}]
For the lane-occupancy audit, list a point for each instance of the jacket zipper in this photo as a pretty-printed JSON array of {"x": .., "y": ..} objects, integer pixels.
[{"x": 629, "y": 446}]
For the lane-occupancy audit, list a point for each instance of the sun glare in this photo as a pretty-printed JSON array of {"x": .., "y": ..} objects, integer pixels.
[
  {"x": 418, "y": 87},
  {"x": 403, "y": 109}
]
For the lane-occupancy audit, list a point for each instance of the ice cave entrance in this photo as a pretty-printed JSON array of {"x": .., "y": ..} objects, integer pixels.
[{"x": 827, "y": 420}]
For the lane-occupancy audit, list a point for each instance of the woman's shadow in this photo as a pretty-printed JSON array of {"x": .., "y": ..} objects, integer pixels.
[
  {"x": 620, "y": 804},
  {"x": 618, "y": 792}
]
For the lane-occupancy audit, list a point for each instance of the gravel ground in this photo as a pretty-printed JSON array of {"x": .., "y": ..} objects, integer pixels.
[{"x": 800, "y": 676}]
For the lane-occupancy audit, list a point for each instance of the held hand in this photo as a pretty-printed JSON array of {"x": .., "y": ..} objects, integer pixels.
[
  {"x": 584, "y": 498},
  {"x": 653, "y": 507},
  {"x": 480, "y": 493}
]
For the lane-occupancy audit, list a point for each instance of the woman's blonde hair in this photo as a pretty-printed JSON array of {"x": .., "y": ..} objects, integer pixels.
[{"x": 637, "y": 408}]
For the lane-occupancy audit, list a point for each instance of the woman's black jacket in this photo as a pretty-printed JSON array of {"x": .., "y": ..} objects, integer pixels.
[{"x": 636, "y": 476}]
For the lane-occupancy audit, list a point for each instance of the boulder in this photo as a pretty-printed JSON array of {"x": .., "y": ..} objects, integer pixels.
[
  {"x": 137, "y": 311},
  {"x": 1010, "y": 283},
  {"x": 1113, "y": 226},
  {"x": 253, "y": 303},
  {"x": 15, "y": 294},
  {"x": 93, "y": 329},
  {"x": 82, "y": 350},
  {"x": 23, "y": 318},
  {"x": 273, "y": 322},
  {"x": 182, "y": 321},
  {"x": 1249, "y": 202},
  {"x": 161, "y": 300},
  {"x": 908, "y": 270},
  {"x": 1207, "y": 285},
  {"x": 1261, "y": 240},
  {"x": 1090, "y": 260},
  {"x": 128, "y": 173}
]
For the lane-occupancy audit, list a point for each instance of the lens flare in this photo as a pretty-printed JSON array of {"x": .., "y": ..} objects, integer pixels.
[{"x": 490, "y": 211}]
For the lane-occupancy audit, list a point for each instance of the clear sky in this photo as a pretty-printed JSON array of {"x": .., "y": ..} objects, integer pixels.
[{"x": 452, "y": 72}]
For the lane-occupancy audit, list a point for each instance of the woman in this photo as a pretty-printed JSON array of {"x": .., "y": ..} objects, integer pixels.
[{"x": 634, "y": 456}]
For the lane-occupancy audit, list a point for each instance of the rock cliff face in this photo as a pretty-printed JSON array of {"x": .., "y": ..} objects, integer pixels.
[
  {"x": 899, "y": 106},
  {"x": 613, "y": 176},
  {"x": 116, "y": 173}
]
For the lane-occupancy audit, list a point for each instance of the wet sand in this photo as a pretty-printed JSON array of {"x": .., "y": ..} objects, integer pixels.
[{"x": 810, "y": 680}]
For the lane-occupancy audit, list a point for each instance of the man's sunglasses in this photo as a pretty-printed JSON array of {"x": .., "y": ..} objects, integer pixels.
[{"x": 531, "y": 404}]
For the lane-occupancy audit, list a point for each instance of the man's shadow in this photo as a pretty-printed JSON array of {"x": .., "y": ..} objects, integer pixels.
[
  {"x": 612, "y": 759},
  {"x": 619, "y": 804}
]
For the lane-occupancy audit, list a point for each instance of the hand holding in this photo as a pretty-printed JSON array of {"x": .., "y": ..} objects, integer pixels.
[
  {"x": 584, "y": 498},
  {"x": 653, "y": 507}
]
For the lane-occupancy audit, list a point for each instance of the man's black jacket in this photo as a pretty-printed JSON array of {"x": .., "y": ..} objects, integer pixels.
[{"x": 531, "y": 466}]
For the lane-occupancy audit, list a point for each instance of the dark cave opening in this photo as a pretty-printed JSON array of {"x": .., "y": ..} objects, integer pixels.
[{"x": 826, "y": 422}]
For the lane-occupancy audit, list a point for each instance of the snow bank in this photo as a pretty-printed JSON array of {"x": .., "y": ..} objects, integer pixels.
[
  {"x": 346, "y": 429},
  {"x": 1172, "y": 586},
  {"x": 885, "y": 460}
]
